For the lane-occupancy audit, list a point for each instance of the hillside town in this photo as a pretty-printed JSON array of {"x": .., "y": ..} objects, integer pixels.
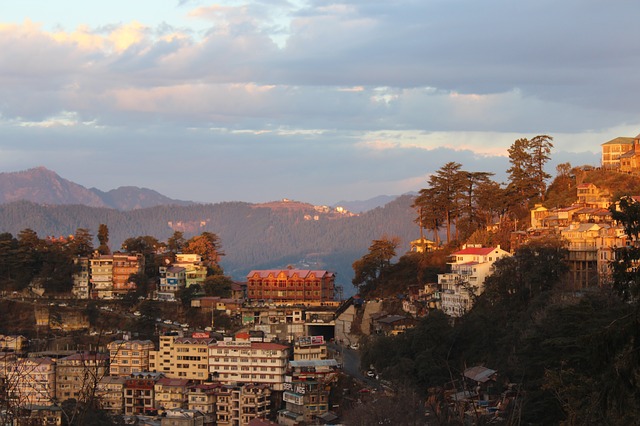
[{"x": 289, "y": 339}]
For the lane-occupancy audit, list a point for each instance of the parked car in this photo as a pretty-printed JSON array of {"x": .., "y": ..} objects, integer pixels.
[
  {"x": 167, "y": 321},
  {"x": 371, "y": 373},
  {"x": 137, "y": 313}
]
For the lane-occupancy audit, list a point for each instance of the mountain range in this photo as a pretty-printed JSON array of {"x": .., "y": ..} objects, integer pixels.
[
  {"x": 43, "y": 186},
  {"x": 253, "y": 236}
]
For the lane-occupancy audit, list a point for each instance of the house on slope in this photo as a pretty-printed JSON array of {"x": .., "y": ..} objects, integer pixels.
[{"x": 469, "y": 269}]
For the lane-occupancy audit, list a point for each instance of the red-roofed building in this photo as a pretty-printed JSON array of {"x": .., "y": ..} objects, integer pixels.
[
  {"x": 171, "y": 393},
  {"x": 291, "y": 285},
  {"x": 469, "y": 268}
]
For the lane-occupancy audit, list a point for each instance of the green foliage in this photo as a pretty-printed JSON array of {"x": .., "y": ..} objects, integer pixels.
[
  {"x": 218, "y": 285},
  {"x": 371, "y": 268}
]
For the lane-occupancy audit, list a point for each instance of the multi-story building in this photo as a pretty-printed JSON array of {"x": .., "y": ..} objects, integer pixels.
[
  {"x": 139, "y": 393},
  {"x": 583, "y": 239},
  {"x": 101, "y": 267},
  {"x": 310, "y": 347},
  {"x": 244, "y": 361},
  {"x": 80, "y": 287},
  {"x": 125, "y": 265},
  {"x": 172, "y": 279},
  {"x": 291, "y": 285},
  {"x": 182, "y": 357},
  {"x": 610, "y": 237},
  {"x": 129, "y": 356},
  {"x": 202, "y": 397},
  {"x": 305, "y": 400},
  {"x": 32, "y": 381},
  {"x": 282, "y": 322},
  {"x": 238, "y": 404},
  {"x": 613, "y": 149},
  {"x": 77, "y": 375},
  {"x": 195, "y": 270},
  {"x": 110, "y": 393},
  {"x": 171, "y": 393},
  {"x": 13, "y": 343},
  {"x": 469, "y": 268}
]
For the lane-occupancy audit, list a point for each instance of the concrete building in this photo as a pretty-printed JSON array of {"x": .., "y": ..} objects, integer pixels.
[
  {"x": 182, "y": 357},
  {"x": 129, "y": 356},
  {"x": 101, "y": 267},
  {"x": 310, "y": 348},
  {"x": 32, "y": 381},
  {"x": 81, "y": 287},
  {"x": 172, "y": 279},
  {"x": 139, "y": 393},
  {"x": 469, "y": 268},
  {"x": 78, "y": 375},
  {"x": 195, "y": 270},
  {"x": 110, "y": 393},
  {"x": 238, "y": 404},
  {"x": 171, "y": 394},
  {"x": 125, "y": 265},
  {"x": 243, "y": 361},
  {"x": 203, "y": 396},
  {"x": 613, "y": 149},
  {"x": 305, "y": 400}
]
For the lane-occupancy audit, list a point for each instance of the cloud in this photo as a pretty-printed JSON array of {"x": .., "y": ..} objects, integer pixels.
[{"x": 360, "y": 94}]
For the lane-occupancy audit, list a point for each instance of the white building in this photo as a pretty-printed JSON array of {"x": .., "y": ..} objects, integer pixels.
[
  {"x": 244, "y": 361},
  {"x": 469, "y": 269}
]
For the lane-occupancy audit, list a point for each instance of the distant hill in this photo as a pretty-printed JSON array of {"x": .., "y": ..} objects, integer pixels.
[
  {"x": 360, "y": 206},
  {"x": 42, "y": 186},
  {"x": 253, "y": 236}
]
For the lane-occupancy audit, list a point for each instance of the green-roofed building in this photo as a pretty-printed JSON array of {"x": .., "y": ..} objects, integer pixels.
[{"x": 613, "y": 149}]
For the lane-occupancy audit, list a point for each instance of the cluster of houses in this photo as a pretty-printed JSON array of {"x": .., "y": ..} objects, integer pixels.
[{"x": 196, "y": 379}]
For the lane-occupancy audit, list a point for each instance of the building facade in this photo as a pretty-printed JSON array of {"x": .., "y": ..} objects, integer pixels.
[
  {"x": 182, "y": 357},
  {"x": 291, "y": 285},
  {"x": 125, "y": 265},
  {"x": 78, "y": 375},
  {"x": 129, "y": 356},
  {"x": 469, "y": 268},
  {"x": 243, "y": 361}
]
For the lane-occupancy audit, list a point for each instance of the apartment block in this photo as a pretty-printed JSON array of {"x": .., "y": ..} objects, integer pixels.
[
  {"x": 125, "y": 265},
  {"x": 32, "y": 381},
  {"x": 139, "y": 393},
  {"x": 203, "y": 396},
  {"x": 110, "y": 393},
  {"x": 195, "y": 270},
  {"x": 172, "y": 279},
  {"x": 304, "y": 401},
  {"x": 469, "y": 268},
  {"x": 101, "y": 267},
  {"x": 238, "y": 404},
  {"x": 182, "y": 357},
  {"x": 78, "y": 374},
  {"x": 171, "y": 394},
  {"x": 129, "y": 356},
  {"x": 81, "y": 277},
  {"x": 243, "y": 361}
]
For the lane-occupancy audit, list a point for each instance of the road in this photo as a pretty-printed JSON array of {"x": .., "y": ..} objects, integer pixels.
[{"x": 350, "y": 360}]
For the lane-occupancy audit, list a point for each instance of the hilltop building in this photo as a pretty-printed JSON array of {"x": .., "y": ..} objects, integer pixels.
[{"x": 612, "y": 151}]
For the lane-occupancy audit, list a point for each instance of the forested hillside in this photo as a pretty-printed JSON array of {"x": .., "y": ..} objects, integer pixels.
[{"x": 252, "y": 236}]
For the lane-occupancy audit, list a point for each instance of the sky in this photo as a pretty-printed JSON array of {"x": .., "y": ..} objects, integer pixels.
[{"x": 316, "y": 101}]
